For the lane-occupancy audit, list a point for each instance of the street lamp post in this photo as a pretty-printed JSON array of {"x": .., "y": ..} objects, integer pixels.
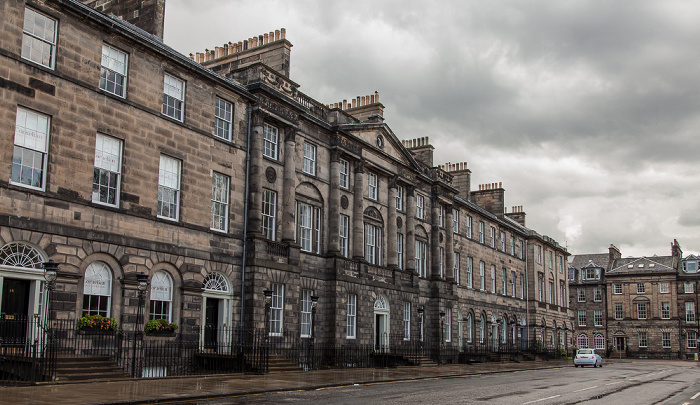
[
  {"x": 420, "y": 323},
  {"x": 50, "y": 274},
  {"x": 141, "y": 285},
  {"x": 314, "y": 302},
  {"x": 268, "y": 304}
]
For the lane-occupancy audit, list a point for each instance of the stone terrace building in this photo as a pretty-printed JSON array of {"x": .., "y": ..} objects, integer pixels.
[{"x": 218, "y": 179}]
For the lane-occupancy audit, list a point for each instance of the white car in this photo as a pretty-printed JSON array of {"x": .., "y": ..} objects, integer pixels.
[{"x": 587, "y": 357}]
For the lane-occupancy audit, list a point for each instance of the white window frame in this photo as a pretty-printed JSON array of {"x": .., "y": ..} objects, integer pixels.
[
  {"x": 503, "y": 242},
  {"x": 539, "y": 254},
  {"x": 277, "y": 310},
  {"x": 372, "y": 186},
  {"x": 481, "y": 232},
  {"x": 441, "y": 261},
  {"x": 493, "y": 237},
  {"x": 597, "y": 294},
  {"x": 448, "y": 324},
  {"x": 482, "y": 276},
  {"x": 270, "y": 141},
  {"x": 642, "y": 339},
  {"x": 512, "y": 284},
  {"x": 493, "y": 279},
  {"x": 642, "y": 310},
  {"x": 691, "y": 339},
  {"x": 173, "y": 97},
  {"x": 665, "y": 310},
  {"x": 456, "y": 258},
  {"x": 512, "y": 245},
  {"x": 97, "y": 283},
  {"x": 344, "y": 234},
  {"x": 406, "y": 320},
  {"x": 521, "y": 250},
  {"x": 640, "y": 288},
  {"x": 305, "y": 312},
  {"x": 373, "y": 244},
  {"x": 469, "y": 226},
  {"x": 597, "y": 317},
  {"x": 32, "y": 133},
  {"x": 455, "y": 221},
  {"x": 113, "y": 73},
  {"x": 309, "y": 166},
  {"x": 441, "y": 220},
  {"x": 421, "y": 252},
  {"x": 420, "y": 206},
  {"x": 308, "y": 227},
  {"x": 108, "y": 166},
  {"x": 399, "y": 198},
  {"x": 36, "y": 38},
  {"x": 351, "y": 318},
  {"x": 581, "y": 294},
  {"x": 666, "y": 340},
  {"x": 618, "y": 311},
  {"x": 689, "y": 312},
  {"x": 470, "y": 272},
  {"x": 219, "y": 201},
  {"x": 688, "y": 287},
  {"x": 169, "y": 175},
  {"x": 161, "y": 295},
  {"x": 269, "y": 214},
  {"x": 617, "y": 288},
  {"x": 582, "y": 340},
  {"x": 664, "y": 287},
  {"x": 504, "y": 282},
  {"x": 344, "y": 174},
  {"x": 581, "y": 318},
  {"x": 223, "y": 119},
  {"x": 399, "y": 250},
  {"x": 599, "y": 341}
]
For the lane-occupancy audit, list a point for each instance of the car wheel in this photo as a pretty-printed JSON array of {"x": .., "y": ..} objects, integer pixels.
[{"x": 595, "y": 365}]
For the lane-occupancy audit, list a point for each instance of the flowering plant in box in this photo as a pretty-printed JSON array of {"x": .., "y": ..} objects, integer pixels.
[
  {"x": 160, "y": 326},
  {"x": 97, "y": 322}
]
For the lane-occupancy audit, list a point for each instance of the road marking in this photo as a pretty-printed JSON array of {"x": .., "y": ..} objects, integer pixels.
[
  {"x": 541, "y": 399},
  {"x": 612, "y": 383},
  {"x": 584, "y": 389},
  {"x": 695, "y": 396}
]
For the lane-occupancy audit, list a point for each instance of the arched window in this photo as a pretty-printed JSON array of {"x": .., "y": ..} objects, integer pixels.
[
  {"x": 380, "y": 303},
  {"x": 17, "y": 254},
  {"x": 161, "y": 296},
  {"x": 469, "y": 328},
  {"x": 373, "y": 236},
  {"x": 97, "y": 289},
  {"x": 599, "y": 341},
  {"x": 582, "y": 341},
  {"x": 504, "y": 329},
  {"x": 215, "y": 282},
  {"x": 482, "y": 327}
]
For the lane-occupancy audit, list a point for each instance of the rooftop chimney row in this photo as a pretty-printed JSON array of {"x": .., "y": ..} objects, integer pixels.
[{"x": 234, "y": 48}]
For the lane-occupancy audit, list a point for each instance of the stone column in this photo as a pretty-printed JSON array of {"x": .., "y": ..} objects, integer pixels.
[
  {"x": 449, "y": 244},
  {"x": 434, "y": 269},
  {"x": 357, "y": 211},
  {"x": 289, "y": 185},
  {"x": 410, "y": 229},
  {"x": 334, "y": 206},
  {"x": 256, "y": 174},
  {"x": 391, "y": 226}
]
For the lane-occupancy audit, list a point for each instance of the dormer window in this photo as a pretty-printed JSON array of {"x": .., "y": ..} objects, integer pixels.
[{"x": 690, "y": 266}]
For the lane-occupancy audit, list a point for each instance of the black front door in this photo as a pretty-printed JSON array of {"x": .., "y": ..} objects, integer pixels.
[
  {"x": 620, "y": 343},
  {"x": 15, "y": 305},
  {"x": 211, "y": 322}
]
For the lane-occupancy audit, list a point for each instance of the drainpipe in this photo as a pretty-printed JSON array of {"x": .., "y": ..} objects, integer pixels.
[
  {"x": 245, "y": 221},
  {"x": 527, "y": 300}
]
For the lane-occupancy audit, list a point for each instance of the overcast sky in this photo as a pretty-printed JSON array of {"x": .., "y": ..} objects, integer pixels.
[{"x": 587, "y": 112}]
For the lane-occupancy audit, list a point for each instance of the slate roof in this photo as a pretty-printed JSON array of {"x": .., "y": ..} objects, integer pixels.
[
  {"x": 597, "y": 259},
  {"x": 643, "y": 265}
]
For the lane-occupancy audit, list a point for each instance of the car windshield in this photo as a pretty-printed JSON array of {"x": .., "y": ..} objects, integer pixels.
[{"x": 585, "y": 351}]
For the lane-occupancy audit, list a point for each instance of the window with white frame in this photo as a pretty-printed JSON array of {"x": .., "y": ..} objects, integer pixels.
[
  {"x": 469, "y": 328},
  {"x": 372, "y": 186},
  {"x": 688, "y": 287},
  {"x": 107, "y": 171},
  {"x": 169, "y": 188},
  {"x": 399, "y": 250},
  {"x": 598, "y": 317},
  {"x": 551, "y": 292},
  {"x": 448, "y": 324},
  {"x": 540, "y": 288},
  {"x": 29, "y": 159},
  {"x": 173, "y": 97},
  {"x": 618, "y": 310},
  {"x": 690, "y": 266},
  {"x": 512, "y": 284},
  {"x": 441, "y": 216},
  {"x": 277, "y": 309},
  {"x": 642, "y": 338},
  {"x": 97, "y": 289},
  {"x": 308, "y": 226},
  {"x": 399, "y": 198},
  {"x": 39, "y": 38},
  {"x": 581, "y": 318},
  {"x": 666, "y": 340},
  {"x": 640, "y": 288},
  {"x": 269, "y": 214},
  {"x": 493, "y": 279},
  {"x": 482, "y": 328},
  {"x": 223, "y": 118},
  {"x": 551, "y": 260},
  {"x": 470, "y": 272},
  {"x": 309, "y": 166},
  {"x": 161, "y": 305},
  {"x": 456, "y": 257},
  {"x": 219, "y": 201},
  {"x": 270, "y": 141},
  {"x": 522, "y": 287},
  {"x": 692, "y": 342},
  {"x": 641, "y": 310},
  {"x": 503, "y": 241},
  {"x": 562, "y": 294},
  {"x": 482, "y": 276},
  {"x": 599, "y": 341},
  {"x": 504, "y": 282},
  {"x": 306, "y": 313},
  {"x": 512, "y": 246},
  {"x": 344, "y": 233},
  {"x": 469, "y": 226},
  {"x": 441, "y": 261},
  {"x": 113, "y": 72},
  {"x": 406, "y": 321},
  {"x": 690, "y": 312},
  {"x": 420, "y": 200},
  {"x": 617, "y": 288},
  {"x": 421, "y": 251},
  {"x": 351, "y": 319},
  {"x": 493, "y": 237},
  {"x": 664, "y": 287},
  {"x": 597, "y": 294},
  {"x": 481, "y": 232},
  {"x": 344, "y": 173},
  {"x": 455, "y": 221},
  {"x": 539, "y": 254},
  {"x": 582, "y": 340},
  {"x": 521, "y": 249},
  {"x": 665, "y": 310},
  {"x": 373, "y": 244}
]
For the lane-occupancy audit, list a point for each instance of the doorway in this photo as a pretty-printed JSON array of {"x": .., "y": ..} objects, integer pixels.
[
  {"x": 211, "y": 323},
  {"x": 494, "y": 336},
  {"x": 620, "y": 344},
  {"x": 15, "y": 307},
  {"x": 381, "y": 334}
]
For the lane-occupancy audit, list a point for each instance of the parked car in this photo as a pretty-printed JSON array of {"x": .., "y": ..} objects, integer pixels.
[{"x": 587, "y": 357}]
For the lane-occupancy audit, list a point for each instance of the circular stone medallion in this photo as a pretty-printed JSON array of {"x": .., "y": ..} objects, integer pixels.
[
  {"x": 344, "y": 202},
  {"x": 270, "y": 174}
]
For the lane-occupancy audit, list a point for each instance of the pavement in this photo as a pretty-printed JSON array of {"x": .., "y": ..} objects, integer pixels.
[{"x": 179, "y": 389}]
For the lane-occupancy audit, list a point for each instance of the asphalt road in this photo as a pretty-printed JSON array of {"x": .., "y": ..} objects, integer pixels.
[{"x": 644, "y": 382}]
